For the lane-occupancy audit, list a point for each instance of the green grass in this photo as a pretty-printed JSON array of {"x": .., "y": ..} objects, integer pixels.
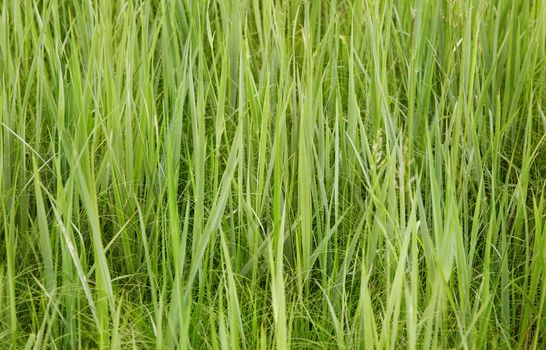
[{"x": 350, "y": 174}]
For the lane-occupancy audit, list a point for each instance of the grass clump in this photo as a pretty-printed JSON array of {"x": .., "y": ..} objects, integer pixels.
[{"x": 272, "y": 174}]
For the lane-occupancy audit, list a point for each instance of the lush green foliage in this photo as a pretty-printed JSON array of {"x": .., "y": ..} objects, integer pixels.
[{"x": 264, "y": 173}]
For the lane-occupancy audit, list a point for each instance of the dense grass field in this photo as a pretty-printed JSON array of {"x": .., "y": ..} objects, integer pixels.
[{"x": 255, "y": 174}]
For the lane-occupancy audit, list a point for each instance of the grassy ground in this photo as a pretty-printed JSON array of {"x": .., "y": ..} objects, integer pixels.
[{"x": 273, "y": 174}]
